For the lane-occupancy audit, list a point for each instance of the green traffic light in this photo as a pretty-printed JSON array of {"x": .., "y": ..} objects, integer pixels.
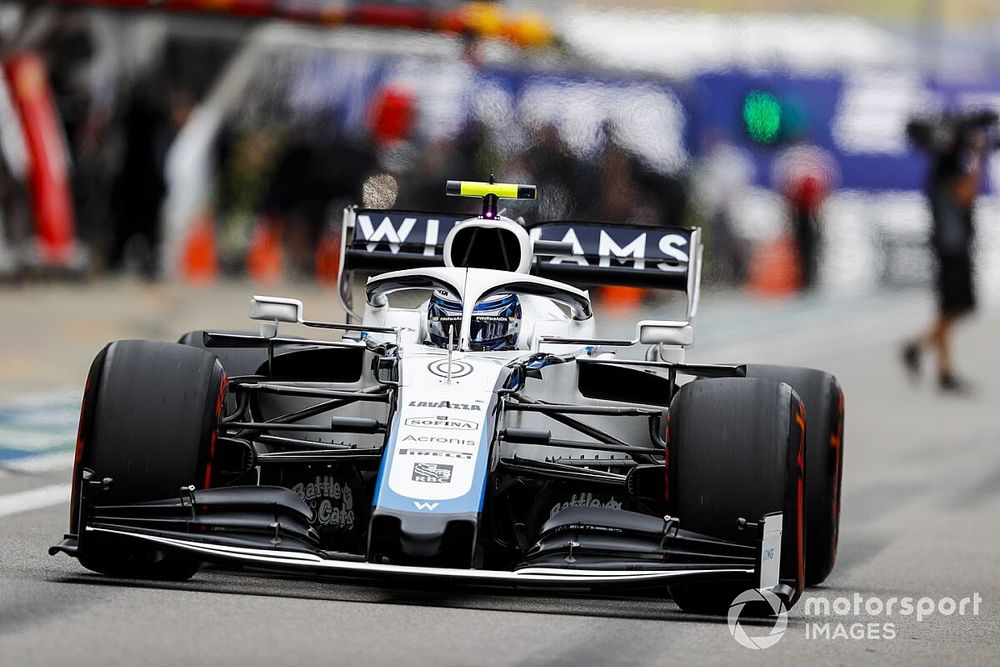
[{"x": 762, "y": 116}]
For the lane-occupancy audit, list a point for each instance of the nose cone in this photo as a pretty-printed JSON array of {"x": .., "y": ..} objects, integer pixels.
[{"x": 445, "y": 540}]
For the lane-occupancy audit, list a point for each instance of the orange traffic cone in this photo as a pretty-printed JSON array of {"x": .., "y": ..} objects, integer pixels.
[
  {"x": 199, "y": 261},
  {"x": 622, "y": 299},
  {"x": 774, "y": 269},
  {"x": 264, "y": 255},
  {"x": 327, "y": 259}
]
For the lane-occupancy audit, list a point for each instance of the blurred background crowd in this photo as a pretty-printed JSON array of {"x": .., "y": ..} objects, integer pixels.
[{"x": 206, "y": 139}]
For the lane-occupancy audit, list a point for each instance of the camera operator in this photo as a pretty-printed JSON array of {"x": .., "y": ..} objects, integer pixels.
[{"x": 953, "y": 185}]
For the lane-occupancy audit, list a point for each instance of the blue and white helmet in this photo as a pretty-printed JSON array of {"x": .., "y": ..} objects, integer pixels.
[{"x": 496, "y": 321}]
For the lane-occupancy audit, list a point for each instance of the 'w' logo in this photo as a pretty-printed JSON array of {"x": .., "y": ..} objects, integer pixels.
[{"x": 428, "y": 507}]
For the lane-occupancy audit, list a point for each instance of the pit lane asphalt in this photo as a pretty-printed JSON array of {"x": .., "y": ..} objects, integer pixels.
[{"x": 920, "y": 504}]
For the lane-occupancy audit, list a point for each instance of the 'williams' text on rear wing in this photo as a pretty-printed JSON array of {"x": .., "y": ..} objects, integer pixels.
[{"x": 578, "y": 252}]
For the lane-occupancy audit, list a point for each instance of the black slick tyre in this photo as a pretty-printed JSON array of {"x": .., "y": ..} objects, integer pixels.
[
  {"x": 149, "y": 420},
  {"x": 736, "y": 452}
]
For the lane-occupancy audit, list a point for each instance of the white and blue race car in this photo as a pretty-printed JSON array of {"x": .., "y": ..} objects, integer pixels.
[{"x": 468, "y": 428}]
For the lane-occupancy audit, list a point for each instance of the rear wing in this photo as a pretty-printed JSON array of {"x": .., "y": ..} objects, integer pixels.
[
  {"x": 601, "y": 253},
  {"x": 577, "y": 252},
  {"x": 380, "y": 240}
]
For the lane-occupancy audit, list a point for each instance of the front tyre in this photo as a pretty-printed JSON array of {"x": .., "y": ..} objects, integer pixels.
[
  {"x": 735, "y": 451},
  {"x": 824, "y": 404},
  {"x": 149, "y": 420}
]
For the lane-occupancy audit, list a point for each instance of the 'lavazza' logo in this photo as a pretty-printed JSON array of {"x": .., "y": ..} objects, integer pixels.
[
  {"x": 446, "y": 404},
  {"x": 762, "y": 637}
]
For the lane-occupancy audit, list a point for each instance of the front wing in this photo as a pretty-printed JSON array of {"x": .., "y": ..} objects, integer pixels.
[{"x": 266, "y": 528}]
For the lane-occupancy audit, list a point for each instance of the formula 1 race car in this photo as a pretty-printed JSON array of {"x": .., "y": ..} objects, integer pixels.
[{"x": 467, "y": 429}]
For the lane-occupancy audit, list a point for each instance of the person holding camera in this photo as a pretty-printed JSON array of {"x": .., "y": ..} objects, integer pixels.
[{"x": 952, "y": 188}]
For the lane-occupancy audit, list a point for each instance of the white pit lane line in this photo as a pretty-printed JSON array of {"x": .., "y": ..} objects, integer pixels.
[
  {"x": 34, "y": 499},
  {"x": 42, "y": 431},
  {"x": 39, "y": 464}
]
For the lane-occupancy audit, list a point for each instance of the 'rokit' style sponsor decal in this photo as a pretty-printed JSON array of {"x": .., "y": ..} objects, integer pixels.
[
  {"x": 331, "y": 500},
  {"x": 432, "y": 473},
  {"x": 439, "y": 440},
  {"x": 459, "y": 369},
  {"x": 443, "y": 405},
  {"x": 585, "y": 500},
  {"x": 442, "y": 421},
  {"x": 442, "y": 453}
]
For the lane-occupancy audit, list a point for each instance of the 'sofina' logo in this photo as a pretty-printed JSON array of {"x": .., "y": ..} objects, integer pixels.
[{"x": 755, "y": 598}]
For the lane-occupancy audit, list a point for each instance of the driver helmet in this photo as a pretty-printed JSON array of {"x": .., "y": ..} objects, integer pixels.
[{"x": 496, "y": 321}]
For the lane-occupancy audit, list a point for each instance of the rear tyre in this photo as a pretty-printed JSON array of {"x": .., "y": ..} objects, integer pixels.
[
  {"x": 735, "y": 448},
  {"x": 149, "y": 419},
  {"x": 824, "y": 403}
]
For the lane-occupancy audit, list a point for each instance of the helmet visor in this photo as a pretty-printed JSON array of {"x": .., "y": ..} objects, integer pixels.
[
  {"x": 444, "y": 320},
  {"x": 496, "y": 322},
  {"x": 495, "y": 325}
]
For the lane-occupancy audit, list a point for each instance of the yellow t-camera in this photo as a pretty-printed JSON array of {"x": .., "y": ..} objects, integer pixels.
[
  {"x": 491, "y": 193},
  {"x": 498, "y": 190}
]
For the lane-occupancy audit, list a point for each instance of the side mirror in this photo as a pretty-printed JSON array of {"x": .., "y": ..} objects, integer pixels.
[
  {"x": 275, "y": 309},
  {"x": 664, "y": 332}
]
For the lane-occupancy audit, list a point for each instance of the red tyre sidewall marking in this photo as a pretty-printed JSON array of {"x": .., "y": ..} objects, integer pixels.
[
  {"x": 92, "y": 383},
  {"x": 219, "y": 400},
  {"x": 800, "y": 419},
  {"x": 666, "y": 462},
  {"x": 837, "y": 444}
]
